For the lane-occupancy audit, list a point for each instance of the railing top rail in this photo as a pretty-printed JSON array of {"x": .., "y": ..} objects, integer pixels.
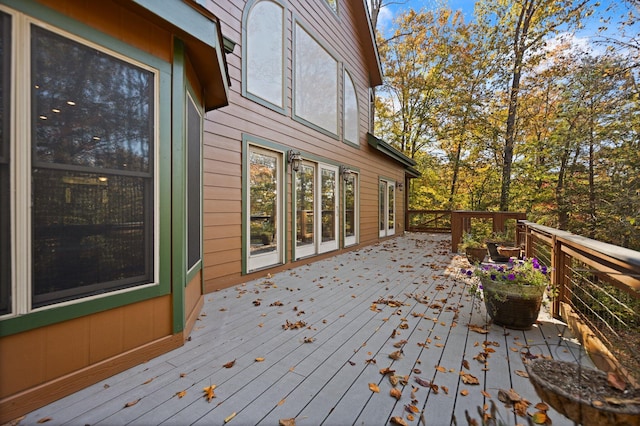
[{"x": 632, "y": 257}]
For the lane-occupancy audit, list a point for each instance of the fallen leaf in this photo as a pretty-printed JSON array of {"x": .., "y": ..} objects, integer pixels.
[
  {"x": 45, "y": 419},
  {"x": 395, "y": 355},
  {"x": 541, "y": 406},
  {"x": 181, "y": 393},
  {"x": 287, "y": 422},
  {"x": 422, "y": 382},
  {"x": 465, "y": 364},
  {"x": 441, "y": 369},
  {"x": 230, "y": 364},
  {"x": 412, "y": 409},
  {"x": 208, "y": 392},
  {"x": 464, "y": 392},
  {"x": 282, "y": 401},
  {"x": 132, "y": 403},
  {"x": 260, "y": 359},
  {"x": 183, "y": 374},
  {"x": 521, "y": 373},
  {"x": 486, "y": 394},
  {"x": 396, "y": 420},
  {"x": 396, "y": 393},
  {"x": 149, "y": 381},
  {"x": 386, "y": 370},
  {"x": 469, "y": 379},
  {"x": 309, "y": 339},
  {"x": 229, "y": 417},
  {"x": 540, "y": 418},
  {"x": 373, "y": 387},
  {"x": 445, "y": 390},
  {"x": 478, "y": 329},
  {"x": 393, "y": 380},
  {"x": 410, "y": 417}
]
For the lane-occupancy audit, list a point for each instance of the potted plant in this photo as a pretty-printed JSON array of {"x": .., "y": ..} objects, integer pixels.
[
  {"x": 473, "y": 247},
  {"x": 512, "y": 292},
  {"x": 501, "y": 247}
]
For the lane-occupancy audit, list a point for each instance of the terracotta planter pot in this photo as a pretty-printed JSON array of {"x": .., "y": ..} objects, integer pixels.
[
  {"x": 512, "y": 306},
  {"x": 475, "y": 254},
  {"x": 586, "y": 409},
  {"x": 509, "y": 251}
]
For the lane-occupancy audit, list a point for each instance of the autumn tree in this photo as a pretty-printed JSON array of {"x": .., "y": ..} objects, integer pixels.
[{"x": 525, "y": 25}]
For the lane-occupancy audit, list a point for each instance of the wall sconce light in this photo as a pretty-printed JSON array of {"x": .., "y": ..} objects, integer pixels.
[
  {"x": 345, "y": 172},
  {"x": 294, "y": 158},
  {"x": 400, "y": 186}
]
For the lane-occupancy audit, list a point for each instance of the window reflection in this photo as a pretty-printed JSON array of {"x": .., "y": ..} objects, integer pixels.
[
  {"x": 5, "y": 204},
  {"x": 350, "y": 206},
  {"x": 305, "y": 211},
  {"x": 92, "y": 187},
  {"x": 350, "y": 110},
  {"x": 265, "y": 52},
  {"x": 263, "y": 202},
  {"x": 316, "y": 82},
  {"x": 328, "y": 205}
]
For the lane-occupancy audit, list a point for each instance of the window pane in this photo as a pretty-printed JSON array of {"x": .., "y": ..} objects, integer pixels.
[
  {"x": 90, "y": 233},
  {"x": 350, "y": 206},
  {"x": 328, "y": 205},
  {"x": 90, "y": 109},
  {"x": 350, "y": 110},
  {"x": 316, "y": 83},
  {"x": 194, "y": 185},
  {"x": 92, "y": 188},
  {"x": 382, "y": 199},
  {"x": 265, "y": 52},
  {"x": 263, "y": 182},
  {"x": 305, "y": 179},
  {"x": 5, "y": 207},
  {"x": 392, "y": 205}
]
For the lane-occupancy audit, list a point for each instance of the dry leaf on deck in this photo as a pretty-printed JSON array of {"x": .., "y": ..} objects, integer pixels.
[
  {"x": 230, "y": 364},
  {"x": 469, "y": 379},
  {"x": 422, "y": 382},
  {"x": 412, "y": 409},
  {"x": 441, "y": 369},
  {"x": 464, "y": 392},
  {"x": 132, "y": 403},
  {"x": 181, "y": 393},
  {"x": 287, "y": 422},
  {"x": 259, "y": 359},
  {"x": 282, "y": 401},
  {"x": 465, "y": 364},
  {"x": 395, "y": 392},
  {"x": 149, "y": 381},
  {"x": 45, "y": 419},
  {"x": 229, "y": 417},
  {"x": 374, "y": 387},
  {"x": 478, "y": 329},
  {"x": 208, "y": 392},
  {"x": 397, "y": 420},
  {"x": 540, "y": 418},
  {"x": 521, "y": 373},
  {"x": 395, "y": 355},
  {"x": 386, "y": 370},
  {"x": 541, "y": 406},
  {"x": 486, "y": 394}
]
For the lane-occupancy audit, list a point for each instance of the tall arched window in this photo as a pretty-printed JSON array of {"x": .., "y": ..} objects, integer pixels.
[
  {"x": 264, "y": 53},
  {"x": 350, "y": 110}
]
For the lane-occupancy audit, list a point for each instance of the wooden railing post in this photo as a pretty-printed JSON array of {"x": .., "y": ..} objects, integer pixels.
[
  {"x": 456, "y": 230},
  {"x": 558, "y": 275}
]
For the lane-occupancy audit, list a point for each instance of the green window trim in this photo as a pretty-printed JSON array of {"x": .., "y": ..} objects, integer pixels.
[{"x": 51, "y": 314}]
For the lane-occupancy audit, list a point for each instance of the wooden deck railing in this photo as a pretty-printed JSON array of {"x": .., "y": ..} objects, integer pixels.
[
  {"x": 597, "y": 287},
  {"x": 429, "y": 220}
]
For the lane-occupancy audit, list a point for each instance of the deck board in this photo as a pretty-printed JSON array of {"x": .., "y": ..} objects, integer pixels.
[{"x": 325, "y": 379}]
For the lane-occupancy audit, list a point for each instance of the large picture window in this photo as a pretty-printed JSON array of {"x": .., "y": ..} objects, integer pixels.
[
  {"x": 316, "y": 83},
  {"x": 264, "y": 64},
  {"x": 79, "y": 165},
  {"x": 92, "y": 169}
]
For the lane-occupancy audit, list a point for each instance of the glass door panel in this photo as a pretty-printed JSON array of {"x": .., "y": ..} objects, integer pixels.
[
  {"x": 305, "y": 211},
  {"x": 329, "y": 222},
  {"x": 264, "y": 199},
  {"x": 350, "y": 213}
]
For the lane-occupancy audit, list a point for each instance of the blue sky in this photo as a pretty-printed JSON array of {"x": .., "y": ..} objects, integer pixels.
[{"x": 583, "y": 37}]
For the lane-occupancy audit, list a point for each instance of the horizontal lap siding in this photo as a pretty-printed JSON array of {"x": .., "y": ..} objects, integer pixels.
[{"x": 224, "y": 129}]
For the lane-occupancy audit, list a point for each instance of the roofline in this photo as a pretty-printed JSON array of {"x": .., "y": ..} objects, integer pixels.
[
  {"x": 368, "y": 38},
  {"x": 394, "y": 154}
]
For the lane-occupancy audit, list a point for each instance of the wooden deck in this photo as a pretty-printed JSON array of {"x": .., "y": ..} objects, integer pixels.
[{"x": 354, "y": 311}]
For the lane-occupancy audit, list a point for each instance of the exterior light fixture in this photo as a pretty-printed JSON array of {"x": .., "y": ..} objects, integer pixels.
[
  {"x": 345, "y": 172},
  {"x": 294, "y": 158}
]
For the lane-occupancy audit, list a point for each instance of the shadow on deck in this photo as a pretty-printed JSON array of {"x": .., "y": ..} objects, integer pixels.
[{"x": 309, "y": 343}]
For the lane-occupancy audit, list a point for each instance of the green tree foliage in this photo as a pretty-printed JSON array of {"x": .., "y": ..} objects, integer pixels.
[{"x": 505, "y": 111}]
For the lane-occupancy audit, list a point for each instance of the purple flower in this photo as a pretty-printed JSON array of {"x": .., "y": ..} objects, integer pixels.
[{"x": 511, "y": 277}]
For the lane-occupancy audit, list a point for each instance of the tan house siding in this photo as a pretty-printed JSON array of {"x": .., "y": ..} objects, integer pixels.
[{"x": 224, "y": 130}]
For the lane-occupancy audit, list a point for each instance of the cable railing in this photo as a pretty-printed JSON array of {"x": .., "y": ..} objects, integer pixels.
[{"x": 597, "y": 289}]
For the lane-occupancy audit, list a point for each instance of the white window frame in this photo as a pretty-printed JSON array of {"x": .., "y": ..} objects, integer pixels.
[
  {"x": 388, "y": 197},
  {"x": 265, "y": 260},
  {"x": 318, "y": 246},
  {"x": 21, "y": 169},
  {"x": 355, "y": 238}
]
